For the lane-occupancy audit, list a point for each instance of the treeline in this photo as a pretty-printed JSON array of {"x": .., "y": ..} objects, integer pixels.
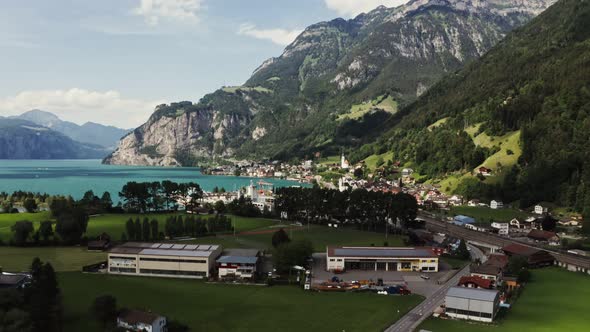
[
  {"x": 144, "y": 197},
  {"x": 175, "y": 226},
  {"x": 35, "y": 308},
  {"x": 373, "y": 209}
]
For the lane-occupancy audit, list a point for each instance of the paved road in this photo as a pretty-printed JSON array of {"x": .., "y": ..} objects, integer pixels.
[{"x": 413, "y": 318}]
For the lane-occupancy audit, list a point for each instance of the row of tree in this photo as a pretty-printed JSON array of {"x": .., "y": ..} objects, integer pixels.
[
  {"x": 160, "y": 196},
  {"x": 374, "y": 209},
  {"x": 175, "y": 226}
]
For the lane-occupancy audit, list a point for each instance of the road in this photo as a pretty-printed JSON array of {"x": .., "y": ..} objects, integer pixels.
[{"x": 416, "y": 316}]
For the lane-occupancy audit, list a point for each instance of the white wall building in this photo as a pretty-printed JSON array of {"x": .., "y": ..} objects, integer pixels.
[
  {"x": 381, "y": 259},
  {"x": 238, "y": 263},
  {"x": 472, "y": 303},
  {"x": 141, "y": 321},
  {"x": 495, "y": 205},
  {"x": 502, "y": 227}
]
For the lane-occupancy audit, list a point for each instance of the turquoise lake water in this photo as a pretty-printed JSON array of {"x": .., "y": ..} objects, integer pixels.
[{"x": 75, "y": 177}]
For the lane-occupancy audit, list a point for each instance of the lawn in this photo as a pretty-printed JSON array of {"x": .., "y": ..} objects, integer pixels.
[
  {"x": 455, "y": 263},
  {"x": 8, "y": 219},
  {"x": 384, "y": 103},
  {"x": 555, "y": 300},
  {"x": 371, "y": 161},
  {"x": 211, "y": 307},
  {"x": 484, "y": 214},
  {"x": 16, "y": 259}
]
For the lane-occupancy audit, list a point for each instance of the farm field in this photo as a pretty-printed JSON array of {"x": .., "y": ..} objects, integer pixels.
[
  {"x": 8, "y": 219},
  {"x": 16, "y": 259},
  {"x": 213, "y": 307},
  {"x": 485, "y": 214},
  {"x": 554, "y": 300}
]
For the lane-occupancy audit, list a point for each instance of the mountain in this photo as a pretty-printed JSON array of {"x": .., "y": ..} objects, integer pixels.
[
  {"x": 21, "y": 139},
  {"x": 91, "y": 133},
  {"x": 334, "y": 86},
  {"x": 522, "y": 110}
]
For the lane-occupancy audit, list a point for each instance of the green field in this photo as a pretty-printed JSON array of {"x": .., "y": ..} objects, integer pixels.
[
  {"x": 15, "y": 259},
  {"x": 371, "y": 161},
  {"x": 485, "y": 214},
  {"x": 554, "y": 300},
  {"x": 8, "y": 219},
  {"x": 210, "y": 307},
  {"x": 387, "y": 104}
]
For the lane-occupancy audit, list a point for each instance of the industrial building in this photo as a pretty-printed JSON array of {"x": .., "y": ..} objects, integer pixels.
[
  {"x": 472, "y": 303},
  {"x": 239, "y": 264},
  {"x": 381, "y": 259},
  {"x": 163, "y": 259}
]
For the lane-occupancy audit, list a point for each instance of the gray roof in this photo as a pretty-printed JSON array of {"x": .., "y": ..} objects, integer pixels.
[
  {"x": 165, "y": 249},
  {"x": 238, "y": 259},
  {"x": 381, "y": 252},
  {"x": 11, "y": 279},
  {"x": 165, "y": 252},
  {"x": 473, "y": 293},
  {"x": 241, "y": 252}
]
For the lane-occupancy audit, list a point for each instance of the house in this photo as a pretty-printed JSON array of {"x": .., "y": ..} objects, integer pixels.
[
  {"x": 239, "y": 264},
  {"x": 571, "y": 222},
  {"x": 540, "y": 209},
  {"x": 456, "y": 200},
  {"x": 475, "y": 282},
  {"x": 461, "y": 220},
  {"x": 472, "y": 303},
  {"x": 12, "y": 280},
  {"x": 473, "y": 202},
  {"x": 511, "y": 283},
  {"x": 495, "y": 205},
  {"x": 535, "y": 257},
  {"x": 543, "y": 236},
  {"x": 136, "y": 320},
  {"x": 501, "y": 228},
  {"x": 478, "y": 228},
  {"x": 485, "y": 171},
  {"x": 489, "y": 272}
]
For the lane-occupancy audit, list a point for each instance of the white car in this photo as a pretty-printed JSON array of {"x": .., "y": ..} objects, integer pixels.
[{"x": 425, "y": 277}]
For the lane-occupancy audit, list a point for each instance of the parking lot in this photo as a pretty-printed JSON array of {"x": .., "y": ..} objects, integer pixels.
[{"x": 412, "y": 280}]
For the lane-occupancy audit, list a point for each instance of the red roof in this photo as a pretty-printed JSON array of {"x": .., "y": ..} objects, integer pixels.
[
  {"x": 498, "y": 260},
  {"x": 521, "y": 250},
  {"x": 538, "y": 234},
  {"x": 475, "y": 280}
]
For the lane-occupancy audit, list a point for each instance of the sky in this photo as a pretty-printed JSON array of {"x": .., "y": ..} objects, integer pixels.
[{"x": 113, "y": 61}]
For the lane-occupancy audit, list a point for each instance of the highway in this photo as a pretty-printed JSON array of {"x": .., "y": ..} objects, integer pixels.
[{"x": 416, "y": 316}]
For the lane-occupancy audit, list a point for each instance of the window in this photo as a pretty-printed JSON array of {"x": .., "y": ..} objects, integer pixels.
[
  {"x": 173, "y": 272},
  {"x": 340, "y": 260},
  {"x": 146, "y": 259},
  {"x": 122, "y": 257},
  {"x": 122, "y": 270},
  {"x": 332, "y": 259}
]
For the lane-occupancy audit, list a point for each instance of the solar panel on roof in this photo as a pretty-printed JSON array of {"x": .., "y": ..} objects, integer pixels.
[
  {"x": 190, "y": 247},
  {"x": 178, "y": 246},
  {"x": 155, "y": 245},
  {"x": 184, "y": 253},
  {"x": 204, "y": 247},
  {"x": 214, "y": 247},
  {"x": 166, "y": 246}
]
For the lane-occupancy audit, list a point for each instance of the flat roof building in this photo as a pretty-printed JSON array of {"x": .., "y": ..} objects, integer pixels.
[
  {"x": 381, "y": 259},
  {"x": 163, "y": 259},
  {"x": 472, "y": 303},
  {"x": 239, "y": 263}
]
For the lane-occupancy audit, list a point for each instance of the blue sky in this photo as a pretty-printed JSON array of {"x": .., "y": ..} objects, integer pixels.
[{"x": 96, "y": 60}]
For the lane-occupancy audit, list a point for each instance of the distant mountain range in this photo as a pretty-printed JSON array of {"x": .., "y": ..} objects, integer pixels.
[
  {"x": 42, "y": 135},
  {"x": 90, "y": 132},
  {"x": 21, "y": 139}
]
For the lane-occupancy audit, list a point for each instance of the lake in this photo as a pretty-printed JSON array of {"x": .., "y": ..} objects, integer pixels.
[{"x": 75, "y": 177}]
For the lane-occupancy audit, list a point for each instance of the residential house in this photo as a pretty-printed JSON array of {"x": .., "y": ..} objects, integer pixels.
[
  {"x": 539, "y": 209},
  {"x": 492, "y": 269},
  {"x": 511, "y": 283},
  {"x": 239, "y": 263},
  {"x": 475, "y": 282},
  {"x": 535, "y": 257},
  {"x": 473, "y": 202},
  {"x": 495, "y": 205},
  {"x": 136, "y": 320},
  {"x": 485, "y": 171},
  {"x": 543, "y": 236},
  {"x": 570, "y": 222},
  {"x": 502, "y": 228},
  {"x": 456, "y": 200}
]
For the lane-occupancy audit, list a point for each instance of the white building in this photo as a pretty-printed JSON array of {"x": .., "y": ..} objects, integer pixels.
[
  {"x": 343, "y": 162},
  {"x": 262, "y": 195},
  {"x": 136, "y": 320},
  {"x": 502, "y": 227},
  {"x": 539, "y": 209},
  {"x": 163, "y": 259},
  {"x": 381, "y": 259},
  {"x": 472, "y": 303},
  {"x": 495, "y": 205},
  {"x": 238, "y": 263}
]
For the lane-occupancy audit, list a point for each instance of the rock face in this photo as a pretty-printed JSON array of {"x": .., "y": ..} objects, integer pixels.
[{"x": 291, "y": 104}]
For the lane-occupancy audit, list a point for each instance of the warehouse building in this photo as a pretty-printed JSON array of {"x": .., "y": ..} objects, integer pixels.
[
  {"x": 340, "y": 259},
  {"x": 472, "y": 303},
  {"x": 164, "y": 259}
]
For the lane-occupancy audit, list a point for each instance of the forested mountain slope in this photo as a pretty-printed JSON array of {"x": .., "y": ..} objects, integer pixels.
[
  {"x": 533, "y": 86},
  {"x": 334, "y": 86}
]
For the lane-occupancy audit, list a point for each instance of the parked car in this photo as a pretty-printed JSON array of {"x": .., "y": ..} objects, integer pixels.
[{"x": 425, "y": 277}]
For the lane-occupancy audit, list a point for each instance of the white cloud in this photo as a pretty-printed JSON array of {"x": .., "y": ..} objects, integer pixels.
[
  {"x": 179, "y": 10},
  {"x": 350, "y": 8},
  {"x": 278, "y": 36},
  {"x": 79, "y": 105}
]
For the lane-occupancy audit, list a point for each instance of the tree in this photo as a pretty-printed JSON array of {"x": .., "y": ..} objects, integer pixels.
[
  {"x": 30, "y": 205},
  {"x": 130, "y": 227},
  {"x": 516, "y": 264},
  {"x": 46, "y": 230},
  {"x": 280, "y": 237},
  {"x": 104, "y": 311},
  {"x": 548, "y": 223},
  {"x": 43, "y": 298},
  {"x": 154, "y": 229},
  {"x": 138, "y": 231},
  {"x": 462, "y": 252},
  {"x": 146, "y": 229},
  {"x": 71, "y": 225},
  {"x": 106, "y": 201},
  {"x": 220, "y": 207},
  {"x": 22, "y": 230},
  {"x": 290, "y": 254}
]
